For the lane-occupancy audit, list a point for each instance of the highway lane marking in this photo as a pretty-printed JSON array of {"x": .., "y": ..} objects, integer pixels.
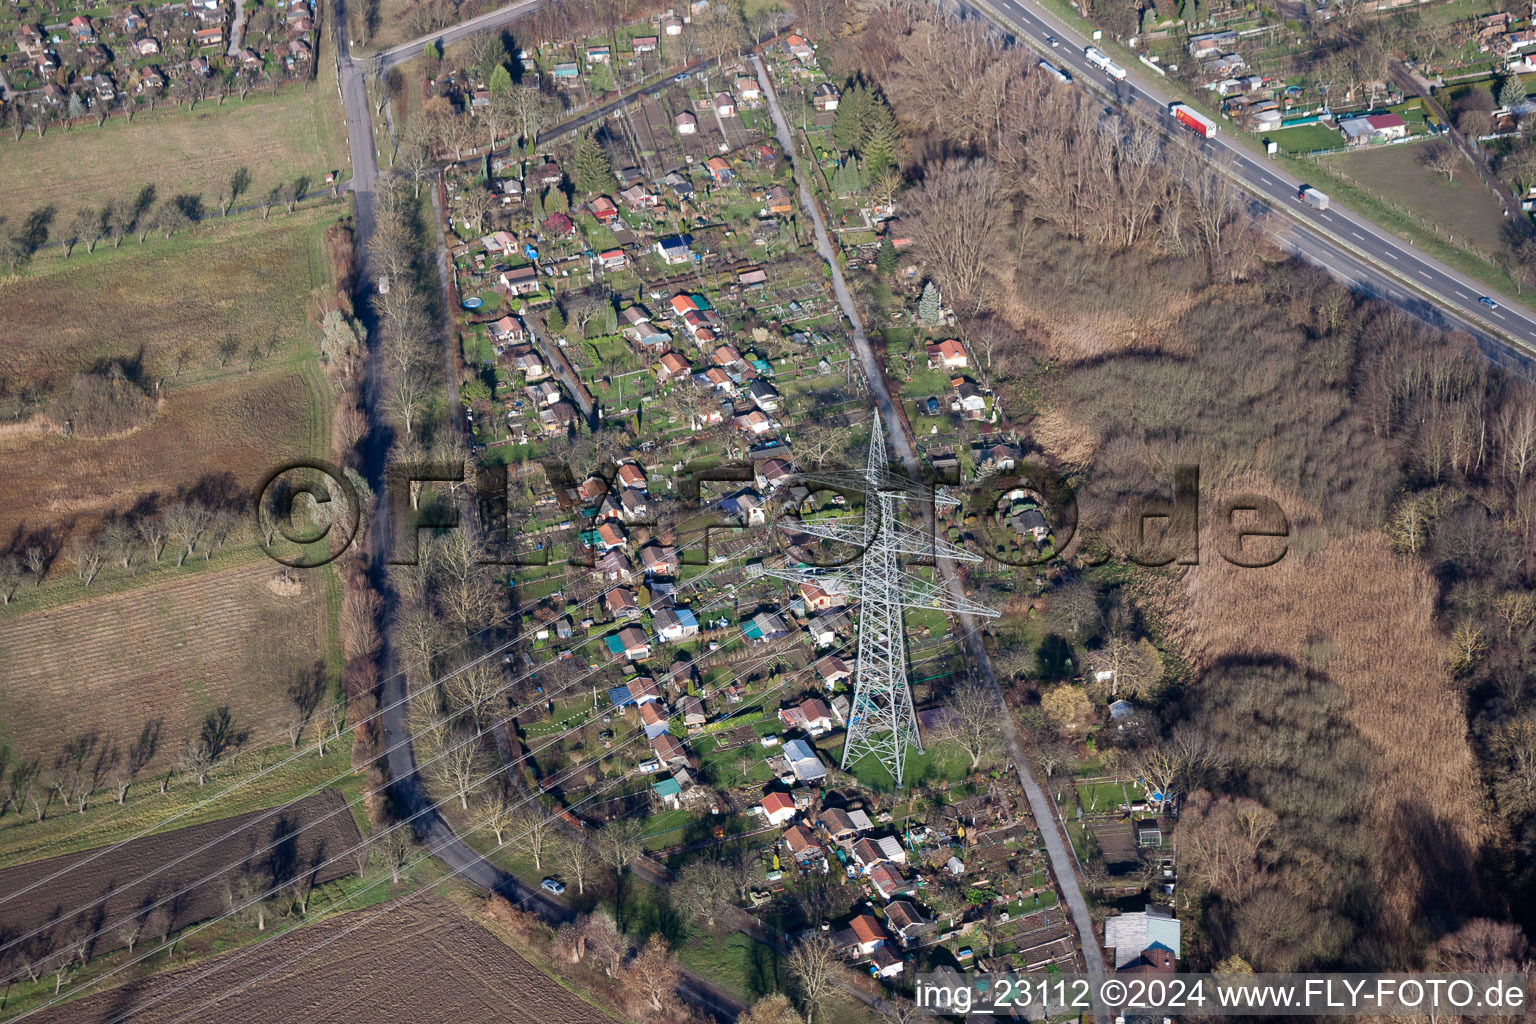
[
  {"x": 1465, "y": 296},
  {"x": 1358, "y": 235},
  {"x": 1425, "y": 276},
  {"x": 1498, "y": 314},
  {"x": 1391, "y": 255}
]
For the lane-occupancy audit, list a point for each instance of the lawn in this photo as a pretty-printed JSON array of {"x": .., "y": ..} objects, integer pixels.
[
  {"x": 297, "y": 132},
  {"x": 1305, "y": 138},
  {"x": 1462, "y": 208}
]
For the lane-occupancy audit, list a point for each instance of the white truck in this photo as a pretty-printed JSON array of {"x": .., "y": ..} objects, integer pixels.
[
  {"x": 1312, "y": 197},
  {"x": 1099, "y": 59},
  {"x": 1065, "y": 78}
]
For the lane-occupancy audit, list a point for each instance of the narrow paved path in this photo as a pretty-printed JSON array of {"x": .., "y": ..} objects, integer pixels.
[{"x": 1062, "y": 862}]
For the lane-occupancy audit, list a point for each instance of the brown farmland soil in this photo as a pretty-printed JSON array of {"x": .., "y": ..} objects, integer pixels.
[
  {"x": 302, "y": 842},
  {"x": 174, "y": 651},
  {"x": 413, "y": 960}
]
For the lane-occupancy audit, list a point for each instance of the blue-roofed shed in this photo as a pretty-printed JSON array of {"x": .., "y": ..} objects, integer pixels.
[{"x": 619, "y": 694}]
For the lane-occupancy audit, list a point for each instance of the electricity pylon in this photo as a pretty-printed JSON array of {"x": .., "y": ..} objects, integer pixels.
[{"x": 882, "y": 720}]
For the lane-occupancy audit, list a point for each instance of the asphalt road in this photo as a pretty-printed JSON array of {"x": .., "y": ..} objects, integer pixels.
[{"x": 1401, "y": 274}]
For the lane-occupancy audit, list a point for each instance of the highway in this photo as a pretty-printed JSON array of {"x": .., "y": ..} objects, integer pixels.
[{"x": 1350, "y": 247}]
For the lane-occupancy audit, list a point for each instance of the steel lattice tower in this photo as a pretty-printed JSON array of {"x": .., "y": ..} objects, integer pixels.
[{"x": 882, "y": 720}]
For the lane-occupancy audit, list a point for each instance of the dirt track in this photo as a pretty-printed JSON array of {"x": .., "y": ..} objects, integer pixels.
[
  {"x": 419, "y": 960},
  {"x": 103, "y": 887}
]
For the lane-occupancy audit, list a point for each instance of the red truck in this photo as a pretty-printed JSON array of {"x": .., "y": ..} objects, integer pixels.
[{"x": 1192, "y": 119}]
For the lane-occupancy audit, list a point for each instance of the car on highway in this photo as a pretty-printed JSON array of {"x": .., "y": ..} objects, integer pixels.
[
  {"x": 552, "y": 886},
  {"x": 1053, "y": 40},
  {"x": 1485, "y": 300}
]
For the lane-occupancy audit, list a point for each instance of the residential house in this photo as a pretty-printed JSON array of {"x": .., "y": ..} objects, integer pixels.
[
  {"x": 612, "y": 259},
  {"x": 832, "y": 670},
  {"x": 644, "y": 44},
  {"x": 612, "y": 565},
  {"x": 803, "y": 762},
  {"x": 610, "y": 536},
  {"x": 566, "y": 70},
  {"x": 80, "y": 28},
  {"x": 889, "y": 882},
  {"x": 778, "y": 808},
  {"x": 671, "y": 367},
  {"x": 147, "y": 46},
  {"x": 621, "y": 603},
  {"x": 755, "y": 422},
  {"x": 968, "y": 399},
  {"x": 886, "y": 964},
  {"x": 841, "y": 825},
  {"x": 660, "y": 559},
  {"x": 499, "y": 243},
  {"x": 630, "y": 475},
  {"x": 638, "y": 197},
  {"x": 752, "y": 277},
  {"x": 644, "y": 690},
  {"x": 765, "y": 395},
  {"x": 631, "y": 642},
  {"x": 673, "y": 624},
  {"x": 779, "y": 200},
  {"x": 1207, "y": 43},
  {"x": 825, "y": 97},
  {"x": 812, "y": 715},
  {"x": 510, "y": 330},
  {"x": 686, "y": 124},
  {"x": 725, "y": 104},
  {"x": 802, "y": 845},
  {"x": 764, "y": 626},
  {"x": 653, "y": 719},
  {"x": 633, "y": 506},
  {"x": 604, "y": 209},
  {"x": 720, "y": 170},
  {"x": 1030, "y": 522},
  {"x": 868, "y": 934},
  {"x": 818, "y": 597},
  {"x": 206, "y": 37},
  {"x": 771, "y": 473},
  {"x": 747, "y": 88},
  {"x": 907, "y": 922},
  {"x": 669, "y": 791},
  {"x": 948, "y": 354},
  {"x": 598, "y": 55},
  {"x": 675, "y": 249},
  {"x": 693, "y": 712},
  {"x": 1360, "y": 131},
  {"x": 1131, "y": 935},
  {"x": 670, "y": 750},
  {"x": 672, "y": 26},
  {"x": 799, "y": 49},
  {"x": 522, "y": 280}
]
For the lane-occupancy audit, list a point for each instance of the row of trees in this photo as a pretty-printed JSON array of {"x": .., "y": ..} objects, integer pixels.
[{"x": 90, "y": 762}]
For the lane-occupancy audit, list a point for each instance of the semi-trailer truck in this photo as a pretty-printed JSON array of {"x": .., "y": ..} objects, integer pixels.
[
  {"x": 1099, "y": 59},
  {"x": 1312, "y": 197},
  {"x": 1055, "y": 72},
  {"x": 1192, "y": 119}
]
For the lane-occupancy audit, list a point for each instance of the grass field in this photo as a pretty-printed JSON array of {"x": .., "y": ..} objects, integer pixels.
[
  {"x": 298, "y": 131},
  {"x": 168, "y": 308},
  {"x": 1462, "y": 208},
  {"x": 173, "y": 651},
  {"x": 169, "y": 302}
]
